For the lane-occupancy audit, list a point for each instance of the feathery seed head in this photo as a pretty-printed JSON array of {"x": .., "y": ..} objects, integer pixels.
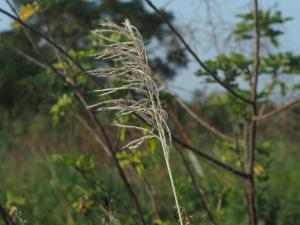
[{"x": 131, "y": 70}]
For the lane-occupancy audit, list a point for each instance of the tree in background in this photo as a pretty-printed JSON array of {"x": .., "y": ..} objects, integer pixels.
[{"x": 70, "y": 29}]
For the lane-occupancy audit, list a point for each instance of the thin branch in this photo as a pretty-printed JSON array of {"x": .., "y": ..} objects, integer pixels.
[
  {"x": 6, "y": 218},
  {"x": 196, "y": 187},
  {"x": 27, "y": 57},
  {"x": 153, "y": 196},
  {"x": 47, "y": 66},
  {"x": 23, "y": 28},
  {"x": 185, "y": 137},
  {"x": 251, "y": 125},
  {"x": 42, "y": 36},
  {"x": 250, "y": 147},
  {"x": 212, "y": 159},
  {"x": 95, "y": 184},
  {"x": 101, "y": 129},
  {"x": 256, "y": 51},
  {"x": 206, "y": 156},
  {"x": 202, "y": 122},
  {"x": 195, "y": 56},
  {"x": 212, "y": 24},
  {"x": 48, "y": 40},
  {"x": 280, "y": 109},
  {"x": 92, "y": 131}
]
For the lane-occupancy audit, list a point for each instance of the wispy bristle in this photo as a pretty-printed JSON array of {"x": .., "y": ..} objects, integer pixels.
[
  {"x": 130, "y": 68},
  {"x": 132, "y": 71}
]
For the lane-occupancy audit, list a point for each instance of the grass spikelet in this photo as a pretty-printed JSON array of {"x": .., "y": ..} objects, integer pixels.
[{"x": 131, "y": 70}]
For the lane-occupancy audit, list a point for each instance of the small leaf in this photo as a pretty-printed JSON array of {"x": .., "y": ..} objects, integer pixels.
[
  {"x": 123, "y": 134},
  {"x": 25, "y": 12},
  {"x": 258, "y": 170}
]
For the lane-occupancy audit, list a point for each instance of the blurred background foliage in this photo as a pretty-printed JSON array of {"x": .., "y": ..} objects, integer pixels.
[{"x": 54, "y": 172}]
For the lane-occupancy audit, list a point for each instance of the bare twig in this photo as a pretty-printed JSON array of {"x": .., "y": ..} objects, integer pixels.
[
  {"x": 203, "y": 202},
  {"x": 6, "y": 218},
  {"x": 184, "y": 135},
  {"x": 217, "y": 162},
  {"x": 26, "y": 56},
  {"x": 203, "y": 122},
  {"x": 92, "y": 131},
  {"x": 23, "y": 28},
  {"x": 48, "y": 40},
  {"x": 208, "y": 157},
  {"x": 101, "y": 130},
  {"x": 153, "y": 196},
  {"x": 195, "y": 56},
  {"x": 256, "y": 52},
  {"x": 280, "y": 109}
]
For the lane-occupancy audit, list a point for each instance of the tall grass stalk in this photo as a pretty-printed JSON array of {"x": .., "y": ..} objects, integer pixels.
[{"x": 124, "y": 48}]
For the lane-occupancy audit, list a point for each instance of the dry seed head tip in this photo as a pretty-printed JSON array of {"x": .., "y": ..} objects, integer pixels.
[{"x": 129, "y": 67}]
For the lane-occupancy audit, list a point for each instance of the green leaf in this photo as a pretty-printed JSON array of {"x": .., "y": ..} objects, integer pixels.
[
  {"x": 58, "y": 109},
  {"x": 85, "y": 162},
  {"x": 123, "y": 134},
  {"x": 269, "y": 22}
]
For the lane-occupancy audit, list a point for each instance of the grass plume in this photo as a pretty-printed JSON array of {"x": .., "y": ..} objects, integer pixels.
[{"x": 131, "y": 70}]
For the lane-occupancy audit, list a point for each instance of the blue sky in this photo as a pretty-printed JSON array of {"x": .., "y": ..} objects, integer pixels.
[
  {"x": 4, "y": 21},
  {"x": 192, "y": 20},
  {"x": 194, "y": 13}
]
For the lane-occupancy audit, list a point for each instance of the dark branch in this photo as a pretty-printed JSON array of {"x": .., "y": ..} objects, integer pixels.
[
  {"x": 6, "y": 218},
  {"x": 277, "y": 110},
  {"x": 196, "y": 57},
  {"x": 202, "y": 199},
  {"x": 212, "y": 159},
  {"x": 91, "y": 115},
  {"x": 48, "y": 40}
]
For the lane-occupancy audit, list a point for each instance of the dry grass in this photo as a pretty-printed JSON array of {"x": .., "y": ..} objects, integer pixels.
[{"x": 130, "y": 69}]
